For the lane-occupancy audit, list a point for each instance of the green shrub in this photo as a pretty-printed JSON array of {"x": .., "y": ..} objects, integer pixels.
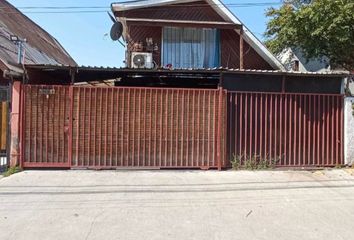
[
  {"x": 236, "y": 162},
  {"x": 12, "y": 170},
  {"x": 255, "y": 162}
]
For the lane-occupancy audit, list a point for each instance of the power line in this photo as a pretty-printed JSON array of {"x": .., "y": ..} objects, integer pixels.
[
  {"x": 103, "y": 9},
  {"x": 171, "y": 6}
]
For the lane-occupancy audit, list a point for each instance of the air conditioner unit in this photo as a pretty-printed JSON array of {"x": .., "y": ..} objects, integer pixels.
[{"x": 141, "y": 60}]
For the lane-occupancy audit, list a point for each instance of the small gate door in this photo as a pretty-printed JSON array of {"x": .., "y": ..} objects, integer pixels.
[{"x": 46, "y": 126}]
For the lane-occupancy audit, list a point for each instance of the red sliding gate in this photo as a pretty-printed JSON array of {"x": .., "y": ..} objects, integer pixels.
[
  {"x": 103, "y": 128},
  {"x": 292, "y": 130}
]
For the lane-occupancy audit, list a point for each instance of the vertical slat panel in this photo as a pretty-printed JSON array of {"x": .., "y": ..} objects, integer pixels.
[
  {"x": 82, "y": 129},
  {"x": 251, "y": 127},
  {"x": 304, "y": 130},
  {"x": 266, "y": 129},
  {"x": 299, "y": 129},
  {"x": 322, "y": 126},
  {"x": 57, "y": 127},
  {"x": 105, "y": 127},
  {"x": 276, "y": 127},
  {"x": 271, "y": 127},
  {"x": 89, "y": 128},
  {"x": 341, "y": 129},
  {"x": 155, "y": 156},
  {"x": 332, "y": 129},
  {"x": 299, "y": 118},
  {"x": 176, "y": 129},
  {"x": 161, "y": 129},
  {"x": 135, "y": 127},
  {"x": 318, "y": 121},
  {"x": 188, "y": 128},
  {"x": 203, "y": 127},
  {"x": 166, "y": 128},
  {"x": 337, "y": 131},
  {"x": 261, "y": 127},
  {"x": 281, "y": 120},
  {"x": 28, "y": 91},
  {"x": 95, "y": 129},
  {"x": 241, "y": 124}
]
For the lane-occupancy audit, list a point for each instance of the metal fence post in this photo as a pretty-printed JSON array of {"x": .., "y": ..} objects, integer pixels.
[
  {"x": 220, "y": 119},
  {"x": 70, "y": 132}
]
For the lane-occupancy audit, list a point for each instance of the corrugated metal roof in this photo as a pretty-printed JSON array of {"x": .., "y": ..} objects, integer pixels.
[
  {"x": 41, "y": 47},
  {"x": 191, "y": 70}
]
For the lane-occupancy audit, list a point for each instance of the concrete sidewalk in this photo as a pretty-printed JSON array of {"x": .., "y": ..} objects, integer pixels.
[{"x": 177, "y": 205}]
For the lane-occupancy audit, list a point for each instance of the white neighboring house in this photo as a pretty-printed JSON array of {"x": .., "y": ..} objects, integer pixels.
[{"x": 294, "y": 60}]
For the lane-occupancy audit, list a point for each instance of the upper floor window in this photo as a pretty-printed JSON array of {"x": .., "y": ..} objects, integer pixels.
[
  {"x": 191, "y": 47},
  {"x": 296, "y": 65}
]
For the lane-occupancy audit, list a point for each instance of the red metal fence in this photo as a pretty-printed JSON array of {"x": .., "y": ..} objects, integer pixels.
[
  {"x": 85, "y": 127},
  {"x": 292, "y": 130},
  {"x": 101, "y": 128}
]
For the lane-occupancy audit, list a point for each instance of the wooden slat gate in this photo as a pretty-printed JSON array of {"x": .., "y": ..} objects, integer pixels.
[{"x": 105, "y": 128}]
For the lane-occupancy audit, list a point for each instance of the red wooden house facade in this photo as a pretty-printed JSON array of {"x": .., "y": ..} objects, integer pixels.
[{"x": 174, "y": 25}]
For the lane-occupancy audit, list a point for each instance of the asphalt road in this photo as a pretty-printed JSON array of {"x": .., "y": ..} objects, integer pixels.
[{"x": 179, "y": 205}]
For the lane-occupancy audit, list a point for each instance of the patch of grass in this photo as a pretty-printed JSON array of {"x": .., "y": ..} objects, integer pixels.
[
  {"x": 236, "y": 162},
  {"x": 11, "y": 171},
  {"x": 338, "y": 166},
  {"x": 255, "y": 162}
]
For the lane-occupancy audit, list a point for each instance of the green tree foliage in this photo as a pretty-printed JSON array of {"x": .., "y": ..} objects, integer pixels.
[{"x": 318, "y": 27}]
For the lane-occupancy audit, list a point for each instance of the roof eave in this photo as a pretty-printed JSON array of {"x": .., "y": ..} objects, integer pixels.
[
  {"x": 11, "y": 67},
  {"x": 125, "y": 6}
]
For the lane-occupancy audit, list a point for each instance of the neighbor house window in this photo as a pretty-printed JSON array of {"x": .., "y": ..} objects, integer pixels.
[
  {"x": 191, "y": 47},
  {"x": 296, "y": 65}
]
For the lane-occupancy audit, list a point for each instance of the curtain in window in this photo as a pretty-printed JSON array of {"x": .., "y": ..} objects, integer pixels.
[{"x": 191, "y": 47}]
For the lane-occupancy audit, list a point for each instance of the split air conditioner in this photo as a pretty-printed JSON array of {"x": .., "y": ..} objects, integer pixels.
[{"x": 141, "y": 60}]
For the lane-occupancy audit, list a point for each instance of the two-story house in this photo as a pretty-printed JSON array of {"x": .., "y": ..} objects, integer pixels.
[
  {"x": 190, "y": 34},
  {"x": 199, "y": 91}
]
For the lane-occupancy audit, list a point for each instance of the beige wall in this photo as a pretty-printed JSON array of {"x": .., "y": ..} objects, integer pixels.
[{"x": 349, "y": 131}]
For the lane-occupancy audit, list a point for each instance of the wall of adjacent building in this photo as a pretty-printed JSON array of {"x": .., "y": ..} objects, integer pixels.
[{"x": 349, "y": 130}]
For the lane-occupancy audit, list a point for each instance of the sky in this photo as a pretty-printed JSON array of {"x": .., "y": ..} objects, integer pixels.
[{"x": 84, "y": 35}]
